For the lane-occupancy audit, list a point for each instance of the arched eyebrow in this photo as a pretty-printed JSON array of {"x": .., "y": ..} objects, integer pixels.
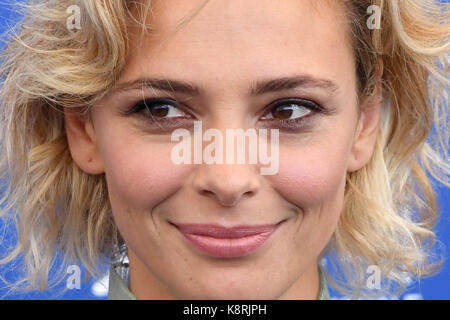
[
  {"x": 259, "y": 88},
  {"x": 285, "y": 83}
]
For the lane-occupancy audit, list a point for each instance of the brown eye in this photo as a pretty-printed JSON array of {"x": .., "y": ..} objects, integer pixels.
[
  {"x": 158, "y": 108},
  {"x": 290, "y": 110}
]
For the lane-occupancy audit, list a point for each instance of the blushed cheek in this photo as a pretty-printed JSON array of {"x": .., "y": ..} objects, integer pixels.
[
  {"x": 141, "y": 175},
  {"x": 314, "y": 182},
  {"x": 311, "y": 178}
]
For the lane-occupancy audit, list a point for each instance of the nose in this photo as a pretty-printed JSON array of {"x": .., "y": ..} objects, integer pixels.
[{"x": 227, "y": 183}]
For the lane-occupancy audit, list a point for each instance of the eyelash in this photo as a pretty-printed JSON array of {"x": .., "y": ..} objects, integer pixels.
[{"x": 177, "y": 121}]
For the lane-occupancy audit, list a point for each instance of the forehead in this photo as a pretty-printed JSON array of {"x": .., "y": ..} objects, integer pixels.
[
  {"x": 229, "y": 14},
  {"x": 248, "y": 37}
]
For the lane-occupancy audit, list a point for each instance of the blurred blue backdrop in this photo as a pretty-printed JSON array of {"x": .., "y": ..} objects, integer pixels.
[{"x": 434, "y": 287}]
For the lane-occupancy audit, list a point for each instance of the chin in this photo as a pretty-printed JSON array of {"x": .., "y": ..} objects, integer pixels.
[{"x": 232, "y": 291}]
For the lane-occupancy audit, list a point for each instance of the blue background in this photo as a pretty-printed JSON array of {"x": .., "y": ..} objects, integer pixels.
[{"x": 434, "y": 287}]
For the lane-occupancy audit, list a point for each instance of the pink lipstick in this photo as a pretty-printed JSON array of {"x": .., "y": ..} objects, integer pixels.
[{"x": 225, "y": 242}]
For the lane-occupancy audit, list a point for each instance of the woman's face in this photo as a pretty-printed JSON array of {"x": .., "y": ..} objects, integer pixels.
[{"x": 226, "y": 50}]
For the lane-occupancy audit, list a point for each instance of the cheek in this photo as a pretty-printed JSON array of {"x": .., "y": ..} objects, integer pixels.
[
  {"x": 140, "y": 173},
  {"x": 313, "y": 179},
  {"x": 312, "y": 176}
]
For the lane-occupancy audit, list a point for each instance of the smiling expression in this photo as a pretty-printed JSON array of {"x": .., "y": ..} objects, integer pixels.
[{"x": 232, "y": 66}]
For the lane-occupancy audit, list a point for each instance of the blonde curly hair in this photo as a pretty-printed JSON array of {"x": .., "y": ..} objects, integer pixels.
[{"x": 390, "y": 205}]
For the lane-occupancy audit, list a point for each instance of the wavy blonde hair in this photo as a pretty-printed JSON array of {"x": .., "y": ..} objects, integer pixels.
[{"x": 390, "y": 206}]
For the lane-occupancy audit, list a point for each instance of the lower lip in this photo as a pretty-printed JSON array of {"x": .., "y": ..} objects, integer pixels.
[{"x": 229, "y": 247}]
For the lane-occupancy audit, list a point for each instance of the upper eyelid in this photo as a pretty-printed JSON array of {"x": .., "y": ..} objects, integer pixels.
[
  {"x": 270, "y": 108},
  {"x": 179, "y": 104},
  {"x": 155, "y": 100},
  {"x": 317, "y": 107}
]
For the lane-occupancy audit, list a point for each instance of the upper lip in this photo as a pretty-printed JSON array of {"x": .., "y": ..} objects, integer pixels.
[{"x": 221, "y": 232}]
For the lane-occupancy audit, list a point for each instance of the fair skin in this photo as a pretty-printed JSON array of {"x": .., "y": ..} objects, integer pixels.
[{"x": 225, "y": 50}]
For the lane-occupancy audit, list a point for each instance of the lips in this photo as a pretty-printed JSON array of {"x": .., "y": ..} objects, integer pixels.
[{"x": 225, "y": 242}]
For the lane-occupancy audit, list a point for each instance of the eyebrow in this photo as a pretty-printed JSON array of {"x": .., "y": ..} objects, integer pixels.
[{"x": 261, "y": 87}]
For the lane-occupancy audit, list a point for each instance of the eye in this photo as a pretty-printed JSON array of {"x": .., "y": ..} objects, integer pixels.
[
  {"x": 158, "y": 108},
  {"x": 288, "y": 114},
  {"x": 291, "y": 109}
]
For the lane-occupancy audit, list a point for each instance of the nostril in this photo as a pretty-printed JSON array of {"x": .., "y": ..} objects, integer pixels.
[
  {"x": 226, "y": 200},
  {"x": 249, "y": 193},
  {"x": 207, "y": 193}
]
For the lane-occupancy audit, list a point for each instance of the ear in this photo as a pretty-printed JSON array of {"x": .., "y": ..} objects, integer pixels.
[
  {"x": 82, "y": 141},
  {"x": 367, "y": 130}
]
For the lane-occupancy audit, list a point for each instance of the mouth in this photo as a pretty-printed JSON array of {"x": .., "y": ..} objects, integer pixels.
[{"x": 226, "y": 242}]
